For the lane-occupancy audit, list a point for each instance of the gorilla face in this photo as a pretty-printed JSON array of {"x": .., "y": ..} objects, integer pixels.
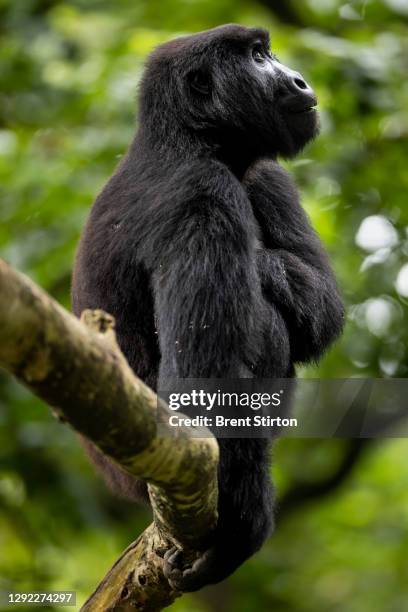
[
  {"x": 287, "y": 111},
  {"x": 272, "y": 105},
  {"x": 226, "y": 87}
]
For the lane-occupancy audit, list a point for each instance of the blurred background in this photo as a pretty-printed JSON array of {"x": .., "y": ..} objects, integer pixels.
[{"x": 68, "y": 74}]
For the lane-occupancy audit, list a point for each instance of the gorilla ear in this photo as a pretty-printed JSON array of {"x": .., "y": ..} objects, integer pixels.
[{"x": 200, "y": 81}]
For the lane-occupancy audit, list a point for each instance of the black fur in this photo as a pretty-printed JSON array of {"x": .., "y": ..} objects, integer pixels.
[{"x": 200, "y": 249}]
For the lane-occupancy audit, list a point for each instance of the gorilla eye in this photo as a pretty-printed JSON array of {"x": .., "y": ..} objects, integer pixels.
[{"x": 258, "y": 54}]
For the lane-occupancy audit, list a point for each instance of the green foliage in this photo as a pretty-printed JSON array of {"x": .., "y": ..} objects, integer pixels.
[{"x": 68, "y": 79}]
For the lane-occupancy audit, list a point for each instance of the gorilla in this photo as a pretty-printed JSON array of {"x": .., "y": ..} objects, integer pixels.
[{"x": 200, "y": 249}]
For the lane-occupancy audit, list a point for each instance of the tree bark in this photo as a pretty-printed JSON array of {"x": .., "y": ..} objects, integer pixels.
[{"x": 77, "y": 368}]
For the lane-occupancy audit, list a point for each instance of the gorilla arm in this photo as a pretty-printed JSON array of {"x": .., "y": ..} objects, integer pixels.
[
  {"x": 209, "y": 305},
  {"x": 293, "y": 267}
]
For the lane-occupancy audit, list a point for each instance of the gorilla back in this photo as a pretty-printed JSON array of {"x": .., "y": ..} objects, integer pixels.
[{"x": 199, "y": 248}]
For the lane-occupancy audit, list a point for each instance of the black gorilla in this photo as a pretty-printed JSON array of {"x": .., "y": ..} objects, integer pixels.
[{"x": 200, "y": 249}]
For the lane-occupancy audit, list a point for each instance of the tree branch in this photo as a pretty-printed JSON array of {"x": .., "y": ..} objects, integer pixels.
[{"x": 78, "y": 369}]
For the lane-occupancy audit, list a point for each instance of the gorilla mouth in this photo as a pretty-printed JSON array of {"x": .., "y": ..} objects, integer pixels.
[
  {"x": 301, "y": 105},
  {"x": 302, "y": 111}
]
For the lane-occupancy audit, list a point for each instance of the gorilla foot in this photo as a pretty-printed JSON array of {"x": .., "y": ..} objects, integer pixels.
[{"x": 188, "y": 577}]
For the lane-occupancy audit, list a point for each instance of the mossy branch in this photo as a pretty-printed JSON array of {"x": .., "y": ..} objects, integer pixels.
[{"x": 77, "y": 368}]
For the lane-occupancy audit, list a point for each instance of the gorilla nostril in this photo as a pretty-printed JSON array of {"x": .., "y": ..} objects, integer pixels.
[{"x": 300, "y": 83}]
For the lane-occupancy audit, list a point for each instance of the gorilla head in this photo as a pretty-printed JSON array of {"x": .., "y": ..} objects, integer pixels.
[{"x": 226, "y": 89}]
